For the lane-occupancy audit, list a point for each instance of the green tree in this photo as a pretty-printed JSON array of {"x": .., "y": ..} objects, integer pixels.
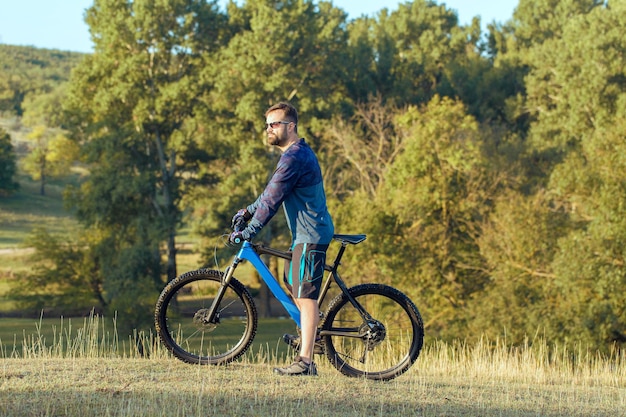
[
  {"x": 578, "y": 98},
  {"x": 440, "y": 189},
  {"x": 8, "y": 165},
  {"x": 130, "y": 106},
  {"x": 567, "y": 246},
  {"x": 364, "y": 62},
  {"x": 519, "y": 242},
  {"x": 45, "y": 108},
  {"x": 263, "y": 63},
  {"x": 26, "y": 72},
  {"x": 536, "y": 21},
  {"x": 51, "y": 155},
  {"x": 297, "y": 61},
  {"x": 415, "y": 48},
  {"x": 424, "y": 219},
  {"x": 65, "y": 276}
]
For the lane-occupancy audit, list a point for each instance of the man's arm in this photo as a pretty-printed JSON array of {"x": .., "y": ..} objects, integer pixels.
[{"x": 265, "y": 207}]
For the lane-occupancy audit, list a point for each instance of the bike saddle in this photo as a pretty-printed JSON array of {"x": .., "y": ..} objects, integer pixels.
[{"x": 352, "y": 239}]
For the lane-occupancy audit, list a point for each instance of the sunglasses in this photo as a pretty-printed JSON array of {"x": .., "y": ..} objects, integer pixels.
[{"x": 274, "y": 125}]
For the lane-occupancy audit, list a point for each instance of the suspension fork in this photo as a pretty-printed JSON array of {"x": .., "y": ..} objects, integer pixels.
[{"x": 210, "y": 316}]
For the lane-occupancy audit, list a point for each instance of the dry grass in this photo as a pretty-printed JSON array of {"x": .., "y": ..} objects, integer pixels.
[{"x": 91, "y": 373}]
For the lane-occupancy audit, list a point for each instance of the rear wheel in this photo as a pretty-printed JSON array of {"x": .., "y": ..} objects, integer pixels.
[
  {"x": 380, "y": 348},
  {"x": 183, "y": 327}
]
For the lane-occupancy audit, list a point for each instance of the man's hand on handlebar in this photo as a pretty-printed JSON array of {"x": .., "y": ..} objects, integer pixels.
[
  {"x": 239, "y": 223},
  {"x": 240, "y": 219},
  {"x": 236, "y": 238}
]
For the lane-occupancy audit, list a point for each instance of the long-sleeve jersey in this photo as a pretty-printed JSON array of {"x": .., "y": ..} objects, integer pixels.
[{"x": 297, "y": 185}]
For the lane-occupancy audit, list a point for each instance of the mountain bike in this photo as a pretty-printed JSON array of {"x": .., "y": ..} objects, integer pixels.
[{"x": 369, "y": 330}]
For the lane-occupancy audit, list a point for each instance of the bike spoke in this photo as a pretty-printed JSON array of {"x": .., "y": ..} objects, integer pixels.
[
  {"x": 388, "y": 339},
  {"x": 182, "y": 322}
]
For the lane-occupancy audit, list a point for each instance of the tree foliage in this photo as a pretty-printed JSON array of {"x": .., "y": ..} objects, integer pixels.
[
  {"x": 488, "y": 172},
  {"x": 131, "y": 104},
  {"x": 440, "y": 189},
  {"x": 8, "y": 165},
  {"x": 288, "y": 62},
  {"x": 51, "y": 155},
  {"x": 64, "y": 273},
  {"x": 28, "y": 73}
]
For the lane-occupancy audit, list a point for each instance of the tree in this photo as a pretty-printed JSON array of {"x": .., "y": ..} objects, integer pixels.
[
  {"x": 535, "y": 21},
  {"x": 64, "y": 277},
  {"x": 28, "y": 72},
  {"x": 519, "y": 241},
  {"x": 424, "y": 219},
  {"x": 8, "y": 165},
  {"x": 296, "y": 60},
  {"x": 131, "y": 105},
  {"x": 566, "y": 244},
  {"x": 359, "y": 152},
  {"x": 439, "y": 190},
  {"x": 415, "y": 48},
  {"x": 51, "y": 155}
]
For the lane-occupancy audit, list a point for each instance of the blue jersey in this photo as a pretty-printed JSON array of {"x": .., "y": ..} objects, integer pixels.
[{"x": 297, "y": 185}]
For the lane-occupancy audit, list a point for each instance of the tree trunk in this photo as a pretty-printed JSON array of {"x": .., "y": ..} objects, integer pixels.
[
  {"x": 170, "y": 209},
  {"x": 42, "y": 174},
  {"x": 171, "y": 256}
]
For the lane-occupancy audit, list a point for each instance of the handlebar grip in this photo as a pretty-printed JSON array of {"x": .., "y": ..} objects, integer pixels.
[{"x": 239, "y": 225}]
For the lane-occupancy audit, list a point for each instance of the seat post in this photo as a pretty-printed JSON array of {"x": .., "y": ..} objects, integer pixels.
[
  {"x": 333, "y": 275},
  {"x": 337, "y": 260}
]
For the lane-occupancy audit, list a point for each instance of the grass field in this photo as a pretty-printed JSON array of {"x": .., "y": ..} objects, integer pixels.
[
  {"x": 27, "y": 209},
  {"x": 102, "y": 376},
  {"x": 21, "y": 337}
]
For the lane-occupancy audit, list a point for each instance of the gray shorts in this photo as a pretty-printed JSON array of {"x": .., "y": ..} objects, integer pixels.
[{"x": 304, "y": 273}]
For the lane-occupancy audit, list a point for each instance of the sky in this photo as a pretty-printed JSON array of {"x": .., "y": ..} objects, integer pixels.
[{"x": 59, "y": 24}]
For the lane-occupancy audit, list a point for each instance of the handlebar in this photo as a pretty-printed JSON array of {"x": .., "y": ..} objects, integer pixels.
[{"x": 239, "y": 226}]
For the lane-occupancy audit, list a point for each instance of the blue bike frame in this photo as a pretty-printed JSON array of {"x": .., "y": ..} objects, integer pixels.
[
  {"x": 247, "y": 252},
  {"x": 250, "y": 252}
]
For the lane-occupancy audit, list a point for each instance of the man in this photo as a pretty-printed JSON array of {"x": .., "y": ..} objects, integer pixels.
[{"x": 297, "y": 185}]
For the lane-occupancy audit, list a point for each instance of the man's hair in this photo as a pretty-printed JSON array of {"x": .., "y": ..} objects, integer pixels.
[{"x": 290, "y": 111}]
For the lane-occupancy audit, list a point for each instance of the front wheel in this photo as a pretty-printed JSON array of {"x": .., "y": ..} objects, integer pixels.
[
  {"x": 181, "y": 318},
  {"x": 381, "y": 347}
]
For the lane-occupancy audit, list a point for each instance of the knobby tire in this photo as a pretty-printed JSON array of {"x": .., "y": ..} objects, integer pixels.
[
  {"x": 180, "y": 311},
  {"x": 387, "y": 352}
]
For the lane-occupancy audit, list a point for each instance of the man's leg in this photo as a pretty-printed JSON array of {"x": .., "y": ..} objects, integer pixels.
[
  {"x": 309, "y": 319},
  {"x": 303, "y": 277}
]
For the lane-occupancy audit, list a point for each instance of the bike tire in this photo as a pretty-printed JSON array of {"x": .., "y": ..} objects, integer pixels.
[
  {"x": 394, "y": 344},
  {"x": 179, "y": 313}
]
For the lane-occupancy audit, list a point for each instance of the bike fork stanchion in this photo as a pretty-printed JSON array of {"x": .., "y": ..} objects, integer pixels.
[{"x": 210, "y": 315}]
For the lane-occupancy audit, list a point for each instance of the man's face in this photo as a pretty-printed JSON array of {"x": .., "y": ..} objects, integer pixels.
[{"x": 276, "y": 128}]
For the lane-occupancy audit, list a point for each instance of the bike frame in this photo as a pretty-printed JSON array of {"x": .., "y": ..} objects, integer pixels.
[
  {"x": 248, "y": 253},
  {"x": 251, "y": 252}
]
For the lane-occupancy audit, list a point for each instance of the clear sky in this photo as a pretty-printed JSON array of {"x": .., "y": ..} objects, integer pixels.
[{"x": 59, "y": 24}]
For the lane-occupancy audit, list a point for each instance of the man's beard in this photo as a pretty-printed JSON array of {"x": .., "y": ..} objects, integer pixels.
[{"x": 274, "y": 139}]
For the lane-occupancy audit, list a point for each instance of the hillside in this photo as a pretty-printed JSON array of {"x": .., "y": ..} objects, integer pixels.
[
  {"x": 25, "y": 74},
  {"x": 26, "y": 71}
]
